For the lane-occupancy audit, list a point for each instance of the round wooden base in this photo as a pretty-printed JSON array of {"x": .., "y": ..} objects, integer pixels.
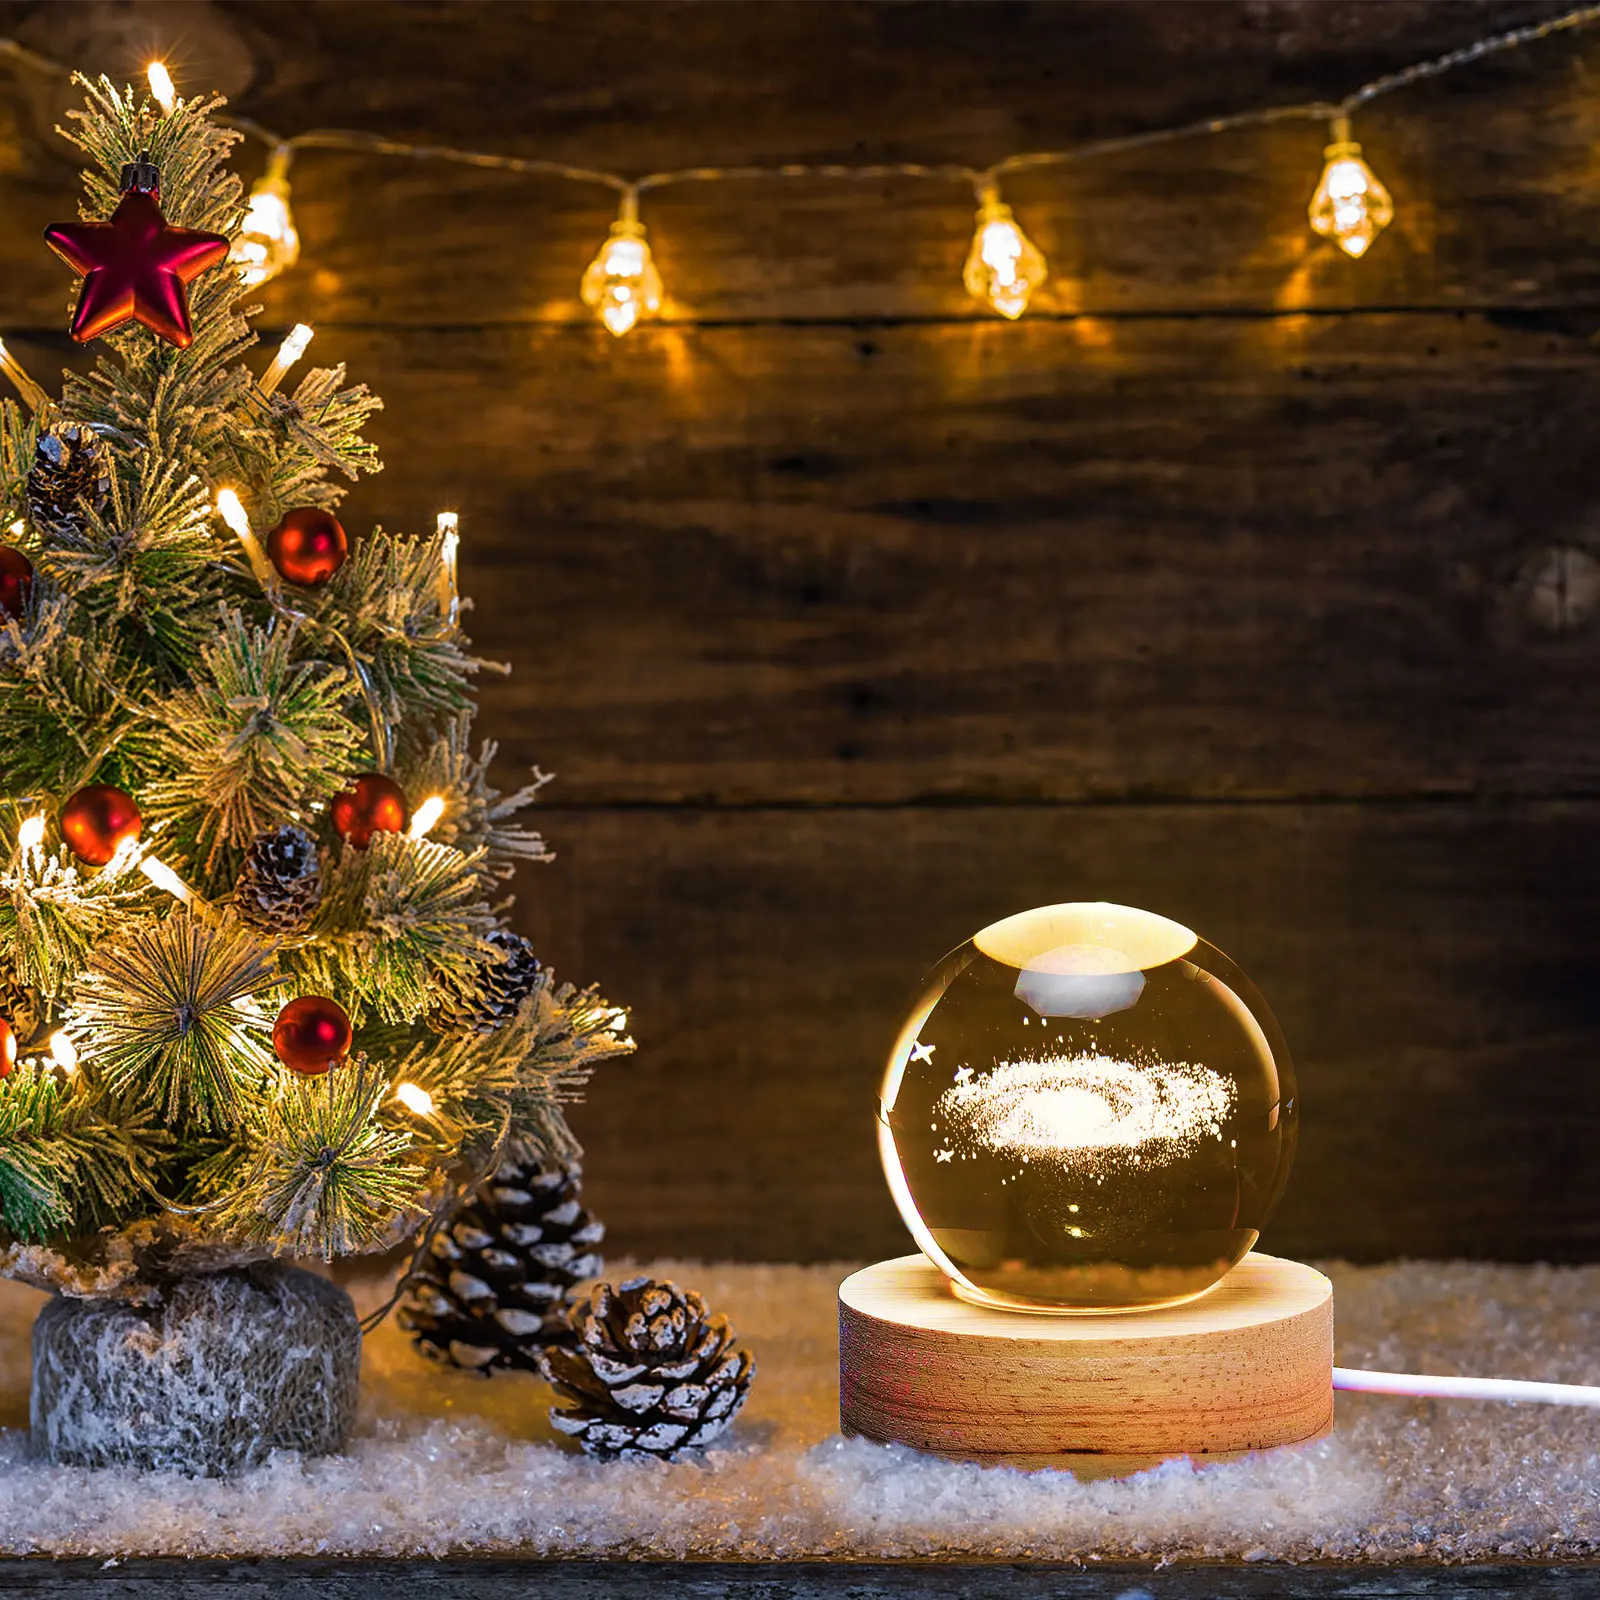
[{"x": 1245, "y": 1367}]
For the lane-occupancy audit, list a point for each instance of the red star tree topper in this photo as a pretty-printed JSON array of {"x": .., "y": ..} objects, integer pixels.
[{"x": 135, "y": 267}]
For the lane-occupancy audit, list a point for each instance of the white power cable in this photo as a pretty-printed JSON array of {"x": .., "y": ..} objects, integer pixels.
[{"x": 1427, "y": 1386}]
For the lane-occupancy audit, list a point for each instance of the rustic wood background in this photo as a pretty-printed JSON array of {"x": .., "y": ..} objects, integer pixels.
[{"x": 1239, "y": 580}]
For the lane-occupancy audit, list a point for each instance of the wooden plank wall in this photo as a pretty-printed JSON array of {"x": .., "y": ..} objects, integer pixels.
[{"x": 1239, "y": 580}]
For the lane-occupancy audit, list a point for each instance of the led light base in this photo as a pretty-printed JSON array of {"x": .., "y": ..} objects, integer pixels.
[{"x": 1247, "y": 1366}]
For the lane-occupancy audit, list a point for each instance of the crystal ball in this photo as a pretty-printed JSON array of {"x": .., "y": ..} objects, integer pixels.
[{"x": 1087, "y": 1109}]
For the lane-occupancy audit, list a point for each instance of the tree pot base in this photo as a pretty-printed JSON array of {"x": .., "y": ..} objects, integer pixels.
[{"x": 228, "y": 1368}]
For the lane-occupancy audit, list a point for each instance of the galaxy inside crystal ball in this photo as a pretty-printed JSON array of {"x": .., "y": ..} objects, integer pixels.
[{"x": 1087, "y": 1109}]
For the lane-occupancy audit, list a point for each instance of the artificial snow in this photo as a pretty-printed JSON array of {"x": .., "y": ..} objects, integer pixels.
[{"x": 442, "y": 1462}]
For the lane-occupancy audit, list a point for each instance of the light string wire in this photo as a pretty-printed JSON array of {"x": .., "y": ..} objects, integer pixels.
[{"x": 622, "y": 285}]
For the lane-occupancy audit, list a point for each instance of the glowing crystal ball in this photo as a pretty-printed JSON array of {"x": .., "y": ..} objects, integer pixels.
[{"x": 1088, "y": 1108}]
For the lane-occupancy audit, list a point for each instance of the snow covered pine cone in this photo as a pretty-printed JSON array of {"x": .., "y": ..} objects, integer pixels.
[
  {"x": 502, "y": 987},
  {"x": 68, "y": 479},
  {"x": 495, "y": 1286},
  {"x": 650, "y": 1374},
  {"x": 280, "y": 884}
]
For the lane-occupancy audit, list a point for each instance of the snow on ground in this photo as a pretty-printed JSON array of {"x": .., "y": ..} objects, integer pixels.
[{"x": 446, "y": 1463}]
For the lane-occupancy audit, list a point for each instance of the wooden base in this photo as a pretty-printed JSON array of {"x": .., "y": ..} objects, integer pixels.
[{"x": 1245, "y": 1367}]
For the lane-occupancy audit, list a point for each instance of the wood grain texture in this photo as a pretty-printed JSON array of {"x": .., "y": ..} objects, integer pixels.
[
  {"x": 1248, "y": 1366},
  {"x": 844, "y": 1580},
  {"x": 1436, "y": 991},
  {"x": 1260, "y": 591},
  {"x": 1210, "y": 559},
  {"x": 1496, "y": 208}
]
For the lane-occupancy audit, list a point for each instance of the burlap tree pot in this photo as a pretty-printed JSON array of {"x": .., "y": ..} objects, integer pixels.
[{"x": 209, "y": 1378}]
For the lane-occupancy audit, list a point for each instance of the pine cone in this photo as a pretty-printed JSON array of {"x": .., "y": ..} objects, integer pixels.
[
  {"x": 502, "y": 986},
  {"x": 68, "y": 479},
  {"x": 651, "y": 1374},
  {"x": 280, "y": 884},
  {"x": 494, "y": 1289},
  {"x": 21, "y": 1006}
]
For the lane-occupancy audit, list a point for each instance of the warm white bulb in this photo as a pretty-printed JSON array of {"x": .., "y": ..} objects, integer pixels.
[
  {"x": 31, "y": 834},
  {"x": 426, "y": 816},
  {"x": 161, "y": 87},
  {"x": 32, "y": 395},
  {"x": 231, "y": 510},
  {"x": 289, "y": 352},
  {"x": 163, "y": 877},
  {"x": 414, "y": 1098},
  {"x": 267, "y": 242},
  {"x": 17, "y": 528},
  {"x": 63, "y": 1052},
  {"x": 622, "y": 286},
  {"x": 1350, "y": 205},
  {"x": 1004, "y": 266}
]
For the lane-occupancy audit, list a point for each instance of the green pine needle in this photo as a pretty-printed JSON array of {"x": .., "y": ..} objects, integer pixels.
[
  {"x": 166, "y": 1017},
  {"x": 328, "y": 1177}
]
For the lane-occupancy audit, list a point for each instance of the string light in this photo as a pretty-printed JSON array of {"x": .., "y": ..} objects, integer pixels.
[
  {"x": 1003, "y": 270},
  {"x": 622, "y": 285},
  {"x": 232, "y": 511},
  {"x": 32, "y": 395},
  {"x": 31, "y": 834},
  {"x": 1004, "y": 266},
  {"x": 163, "y": 877},
  {"x": 268, "y": 243},
  {"x": 63, "y": 1051},
  {"x": 161, "y": 87},
  {"x": 1350, "y": 206},
  {"x": 449, "y": 526},
  {"x": 426, "y": 816},
  {"x": 289, "y": 352},
  {"x": 414, "y": 1098}
]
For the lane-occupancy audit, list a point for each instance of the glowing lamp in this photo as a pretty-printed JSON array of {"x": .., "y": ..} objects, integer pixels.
[
  {"x": 1350, "y": 206},
  {"x": 1087, "y": 1118},
  {"x": 267, "y": 242},
  {"x": 1004, "y": 266},
  {"x": 621, "y": 285},
  {"x": 1089, "y": 1108}
]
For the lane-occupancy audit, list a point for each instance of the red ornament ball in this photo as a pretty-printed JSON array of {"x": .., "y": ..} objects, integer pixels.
[
  {"x": 372, "y": 804},
  {"x": 98, "y": 819},
  {"x": 312, "y": 1034},
  {"x": 8, "y": 1048},
  {"x": 307, "y": 547},
  {"x": 16, "y": 579}
]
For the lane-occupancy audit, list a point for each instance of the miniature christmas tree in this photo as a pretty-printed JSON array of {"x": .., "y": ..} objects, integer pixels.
[{"x": 257, "y": 995}]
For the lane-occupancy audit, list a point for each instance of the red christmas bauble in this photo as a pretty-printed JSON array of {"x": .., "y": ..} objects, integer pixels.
[
  {"x": 16, "y": 579},
  {"x": 8, "y": 1048},
  {"x": 372, "y": 804},
  {"x": 307, "y": 547},
  {"x": 312, "y": 1034},
  {"x": 98, "y": 819}
]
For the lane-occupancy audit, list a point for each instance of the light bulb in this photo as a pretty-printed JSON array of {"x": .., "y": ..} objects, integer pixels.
[
  {"x": 163, "y": 877},
  {"x": 622, "y": 285},
  {"x": 32, "y": 395},
  {"x": 449, "y": 529},
  {"x": 161, "y": 87},
  {"x": 63, "y": 1051},
  {"x": 1350, "y": 206},
  {"x": 426, "y": 816},
  {"x": 267, "y": 242},
  {"x": 1004, "y": 266},
  {"x": 414, "y": 1098},
  {"x": 1087, "y": 1108},
  {"x": 293, "y": 347},
  {"x": 232, "y": 511},
  {"x": 31, "y": 834}
]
